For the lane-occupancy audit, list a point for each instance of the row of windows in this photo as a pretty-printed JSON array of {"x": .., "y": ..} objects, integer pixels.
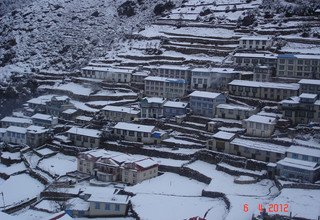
[
  {"x": 170, "y": 84},
  {"x": 263, "y": 42},
  {"x": 82, "y": 138},
  {"x": 300, "y": 62},
  {"x": 17, "y": 135},
  {"x": 107, "y": 206},
  {"x": 132, "y": 133},
  {"x": 201, "y": 104}
]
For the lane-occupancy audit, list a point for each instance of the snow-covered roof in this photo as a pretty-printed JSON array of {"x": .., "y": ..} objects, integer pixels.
[
  {"x": 299, "y": 56},
  {"x": 291, "y": 100},
  {"x": 172, "y": 104},
  {"x": 308, "y": 96},
  {"x": 36, "y": 129},
  {"x": 238, "y": 107},
  {"x": 146, "y": 163},
  {"x": 255, "y": 38},
  {"x": 259, "y": 145},
  {"x": 256, "y": 55},
  {"x": 141, "y": 73},
  {"x": 224, "y": 135},
  {"x": 261, "y": 119},
  {"x": 70, "y": 111},
  {"x": 290, "y": 86},
  {"x": 61, "y": 98},
  {"x": 43, "y": 117},
  {"x": 108, "y": 69},
  {"x": 84, "y": 118},
  {"x": 214, "y": 70},
  {"x": 304, "y": 151},
  {"x": 40, "y": 100},
  {"x": 17, "y": 120},
  {"x": 134, "y": 127},
  {"x": 202, "y": 94},
  {"x": 114, "y": 198},
  {"x": 172, "y": 67},
  {"x": 154, "y": 100},
  {"x": 120, "y": 109},
  {"x": 300, "y": 164},
  {"x": 164, "y": 79},
  {"x": 85, "y": 132},
  {"x": 78, "y": 204},
  {"x": 16, "y": 129},
  {"x": 97, "y": 153},
  {"x": 310, "y": 81}
]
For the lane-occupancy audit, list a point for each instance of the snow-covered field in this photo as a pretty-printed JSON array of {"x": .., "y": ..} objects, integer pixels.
[
  {"x": 59, "y": 164},
  {"x": 20, "y": 188}
]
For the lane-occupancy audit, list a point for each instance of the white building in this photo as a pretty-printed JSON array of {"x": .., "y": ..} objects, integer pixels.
[
  {"x": 84, "y": 137},
  {"x": 263, "y": 151},
  {"x": 255, "y": 42},
  {"x": 172, "y": 71},
  {"x": 254, "y": 59},
  {"x": 301, "y": 163},
  {"x": 165, "y": 87},
  {"x": 44, "y": 120},
  {"x": 260, "y": 126},
  {"x": 119, "y": 113},
  {"x": 212, "y": 78},
  {"x": 204, "y": 103},
  {"x": 310, "y": 86},
  {"x": 109, "y": 74},
  {"x": 16, "y": 135},
  {"x": 15, "y": 121},
  {"x": 134, "y": 132},
  {"x": 232, "y": 111}
]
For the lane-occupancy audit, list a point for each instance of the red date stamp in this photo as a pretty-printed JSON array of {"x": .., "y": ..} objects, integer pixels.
[{"x": 274, "y": 207}]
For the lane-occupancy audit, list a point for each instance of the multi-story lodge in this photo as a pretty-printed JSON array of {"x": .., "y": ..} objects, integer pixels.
[
  {"x": 204, "y": 103},
  {"x": 302, "y": 109},
  {"x": 84, "y": 137},
  {"x": 261, "y": 126},
  {"x": 109, "y": 74},
  {"x": 172, "y": 109},
  {"x": 254, "y": 59},
  {"x": 33, "y": 136},
  {"x": 119, "y": 113},
  {"x": 298, "y": 66},
  {"x": 310, "y": 86},
  {"x": 15, "y": 121},
  {"x": 263, "y": 90},
  {"x": 257, "y": 150},
  {"x": 113, "y": 167},
  {"x": 44, "y": 120},
  {"x": 58, "y": 104},
  {"x": 171, "y": 71},
  {"x": 152, "y": 107},
  {"x": 165, "y": 87},
  {"x": 255, "y": 42},
  {"x": 134, "y": 132},
  {"x": 136, "y": 171},
  {"x": 232, "y": 111},
  {"x": 212, "y": 78},
  {"x": 301, "y": 163},
  {"x": 263, "y": 73}
]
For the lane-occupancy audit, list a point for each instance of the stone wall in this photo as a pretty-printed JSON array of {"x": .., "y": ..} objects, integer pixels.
[{"x": 187, "y": 172}]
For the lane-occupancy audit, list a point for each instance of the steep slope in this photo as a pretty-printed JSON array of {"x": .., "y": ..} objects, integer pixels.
[{"x": 63, "y": 34}]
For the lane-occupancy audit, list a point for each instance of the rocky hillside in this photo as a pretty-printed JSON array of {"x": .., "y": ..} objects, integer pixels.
[{"x": 63, "y": 34}]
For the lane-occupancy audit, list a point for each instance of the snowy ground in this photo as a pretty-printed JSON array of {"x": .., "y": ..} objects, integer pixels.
[
  {"x": 59, "y": 164},
  {"x": 14, "y": 189}
]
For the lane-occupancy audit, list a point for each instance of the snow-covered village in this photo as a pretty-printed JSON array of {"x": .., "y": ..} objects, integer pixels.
[{"x": 160, "y": 109}]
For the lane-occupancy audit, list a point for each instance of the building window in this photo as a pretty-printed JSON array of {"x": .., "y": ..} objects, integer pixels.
[
  {"x": 304, "y": 157},
  {"x": 92, "y": 140},
  {"x": 131, "y": 133},
  {"x": 97, "y": 205},
  {"x": 295, "y": 156},
  {"x": 117, "y": 208},
  {"x": 107, "y": 206}
]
